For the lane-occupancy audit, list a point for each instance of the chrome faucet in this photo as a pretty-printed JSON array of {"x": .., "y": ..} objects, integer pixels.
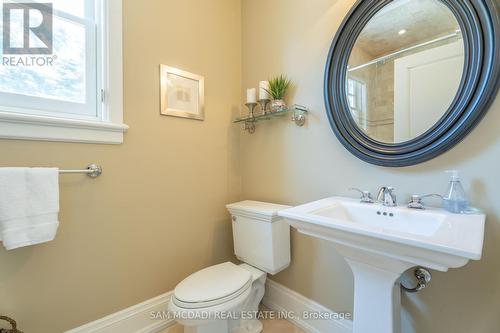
[{"x": 387, "y": 197}]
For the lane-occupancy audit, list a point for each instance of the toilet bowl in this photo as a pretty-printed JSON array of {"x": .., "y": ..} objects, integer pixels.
[
  {"x": 225, "y": 298},
  {"x": 221, "y": 298}
]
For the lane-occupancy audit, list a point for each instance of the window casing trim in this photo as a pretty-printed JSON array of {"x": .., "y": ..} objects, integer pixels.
[{"x": 109, "y": 128}]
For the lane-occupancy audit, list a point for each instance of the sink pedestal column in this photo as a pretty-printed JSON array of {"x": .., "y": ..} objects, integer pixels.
[
  {"x": 377, "y": 302},
  {"x": 377, "y": 293}
]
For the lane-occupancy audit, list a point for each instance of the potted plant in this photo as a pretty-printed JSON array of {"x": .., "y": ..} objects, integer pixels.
[{"x": 278, "y": 87}]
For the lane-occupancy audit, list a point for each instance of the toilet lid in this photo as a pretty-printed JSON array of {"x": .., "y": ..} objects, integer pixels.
[{"x": 213, "y": 285}]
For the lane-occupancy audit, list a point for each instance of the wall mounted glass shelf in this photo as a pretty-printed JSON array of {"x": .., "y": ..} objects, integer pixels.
[{"x": 298, "y": 113}]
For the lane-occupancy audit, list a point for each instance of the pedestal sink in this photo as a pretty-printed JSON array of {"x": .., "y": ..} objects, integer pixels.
[{"x": 380, "y": 243}]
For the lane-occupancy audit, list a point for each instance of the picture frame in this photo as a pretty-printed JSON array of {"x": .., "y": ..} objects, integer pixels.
[{"x": 182, "y": 93}]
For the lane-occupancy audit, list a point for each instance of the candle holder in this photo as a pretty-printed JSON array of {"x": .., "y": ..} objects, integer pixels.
[
  {"x": 263, "y": 105},
  {"x": 251, "y": 108}
]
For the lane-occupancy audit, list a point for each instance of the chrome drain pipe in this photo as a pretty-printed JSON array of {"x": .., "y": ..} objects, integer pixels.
[{"x": 423, "y": 277}]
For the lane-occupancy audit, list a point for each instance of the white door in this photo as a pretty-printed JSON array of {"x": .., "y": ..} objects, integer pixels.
[{"x": 425, "y": 85}]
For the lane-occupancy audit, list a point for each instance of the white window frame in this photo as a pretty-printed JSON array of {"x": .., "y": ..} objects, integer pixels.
[
  {"x": 359, "y": 95},
  {"x": 109, "y": 128}
]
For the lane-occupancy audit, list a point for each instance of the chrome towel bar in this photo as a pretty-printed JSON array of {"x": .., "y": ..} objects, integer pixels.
[{"x": 93, "y": 171}]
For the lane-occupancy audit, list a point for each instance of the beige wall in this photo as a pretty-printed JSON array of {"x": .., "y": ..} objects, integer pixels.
[
  {"x": 157, "y": 213},
  {"x": 283, "y": 163}
]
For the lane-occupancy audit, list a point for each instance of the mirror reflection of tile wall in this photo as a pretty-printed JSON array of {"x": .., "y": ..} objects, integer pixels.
[{"x": 379, "y": 109}]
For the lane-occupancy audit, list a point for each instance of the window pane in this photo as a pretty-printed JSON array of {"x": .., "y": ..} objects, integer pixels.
[
  {"x": 72, "y": 7},
  {"x": 64, "y": 79},
  {"x": 351, "y": 101},
  {"x": 351, "y": 87}
]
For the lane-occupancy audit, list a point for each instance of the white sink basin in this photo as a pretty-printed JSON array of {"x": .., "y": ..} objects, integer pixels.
[
  {"x": 380, "y": 243},
  {"x": 395, "y": 220},
  {"x": 432, "y": 238}
]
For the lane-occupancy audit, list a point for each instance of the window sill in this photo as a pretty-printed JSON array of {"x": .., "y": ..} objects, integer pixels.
[{"x": 45, "y": 128}]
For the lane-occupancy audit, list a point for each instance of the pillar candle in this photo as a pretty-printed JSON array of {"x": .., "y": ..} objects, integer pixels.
[
  {"x": 252, "y": 95},
  {"x": 263, "y": 90}
]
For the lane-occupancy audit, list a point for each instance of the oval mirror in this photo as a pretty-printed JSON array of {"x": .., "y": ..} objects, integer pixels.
[{"x": 404, "y": 77}]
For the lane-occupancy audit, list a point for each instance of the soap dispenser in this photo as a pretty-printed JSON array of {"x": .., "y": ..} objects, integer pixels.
[{"x": 455, "y": 200}]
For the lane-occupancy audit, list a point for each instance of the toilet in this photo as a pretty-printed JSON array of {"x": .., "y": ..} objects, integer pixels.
[{"x": 225, "y": 298}]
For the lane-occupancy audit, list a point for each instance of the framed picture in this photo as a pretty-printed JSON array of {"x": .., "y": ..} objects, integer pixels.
[{"x": 182, "y": 93}]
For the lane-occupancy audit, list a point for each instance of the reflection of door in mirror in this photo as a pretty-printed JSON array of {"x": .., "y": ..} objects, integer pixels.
[{"x": 425, "y": 84}]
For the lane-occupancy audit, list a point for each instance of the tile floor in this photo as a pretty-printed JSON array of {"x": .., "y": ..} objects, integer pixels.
[{"x": 270, "y": 326}]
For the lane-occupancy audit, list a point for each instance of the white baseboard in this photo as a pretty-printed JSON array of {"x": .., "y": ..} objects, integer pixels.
[
  {"x": 281, "y": 299},
  {"x": 136, "y": 319}
]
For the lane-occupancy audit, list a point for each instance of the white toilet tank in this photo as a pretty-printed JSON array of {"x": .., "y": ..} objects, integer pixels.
[{"x": 261, "y": 237}]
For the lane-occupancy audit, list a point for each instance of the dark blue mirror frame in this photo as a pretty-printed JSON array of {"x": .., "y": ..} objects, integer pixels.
[{"x": 480, "y": 24}]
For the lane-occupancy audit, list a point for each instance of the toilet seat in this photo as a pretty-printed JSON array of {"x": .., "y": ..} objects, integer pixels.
[{"x": 212, "y": 286}]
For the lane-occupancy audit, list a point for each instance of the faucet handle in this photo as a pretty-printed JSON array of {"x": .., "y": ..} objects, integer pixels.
[
  {"x": 416, "y": 201},
  {"x": 366, "y": 196}
]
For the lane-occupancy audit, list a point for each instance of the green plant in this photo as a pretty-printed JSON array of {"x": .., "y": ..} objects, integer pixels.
[{"x": 278, "y": 86}]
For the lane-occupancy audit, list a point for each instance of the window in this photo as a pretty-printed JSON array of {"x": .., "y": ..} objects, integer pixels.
[
  {"x": 356, "y": 97},
  {"x": 54, "y": 73}
]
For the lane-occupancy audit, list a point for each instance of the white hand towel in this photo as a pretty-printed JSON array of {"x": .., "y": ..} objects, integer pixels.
[{"x": 29, "y": 206}]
